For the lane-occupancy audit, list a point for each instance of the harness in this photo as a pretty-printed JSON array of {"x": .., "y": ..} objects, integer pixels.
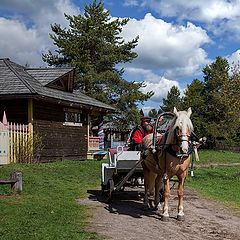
[{"x": 163, "y": 146}]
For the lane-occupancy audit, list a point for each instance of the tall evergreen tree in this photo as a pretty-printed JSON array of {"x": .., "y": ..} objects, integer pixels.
[
  {"x": 173, "y": 100},
  {"x": 153, "y": 113},
  {"x": 194, "y": 98},
  {"x": 93, "y": 45},
  {"x": 215, "y": 102},
  {"x": 233, "y": 95},
  {"x": 217, "y": 108}
]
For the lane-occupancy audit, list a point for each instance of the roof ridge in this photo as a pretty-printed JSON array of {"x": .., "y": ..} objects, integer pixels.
[
  {"x": 48, "y": 68},
  {"x": 7, "y": 62}
]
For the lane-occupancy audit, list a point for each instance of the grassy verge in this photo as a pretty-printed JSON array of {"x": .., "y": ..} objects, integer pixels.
[
  {"x": 222, "y": 184},
  {"x": 218, "y": 182},
  {"x": 208, "y": 157},
  {"x": 47, "y": 207}
]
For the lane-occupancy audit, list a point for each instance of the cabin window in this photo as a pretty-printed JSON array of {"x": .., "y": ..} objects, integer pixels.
[{"x": 73, "y": 117}]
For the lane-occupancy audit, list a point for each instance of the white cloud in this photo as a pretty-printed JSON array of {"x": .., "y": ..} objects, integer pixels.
[
  {"x": 19, "y": 43},
  {"x": 204, "y": 10},
  {"x": 158, "y": 84},
  {"x": 234, "y": 58},
  {"x": 24, "y": 40},
  {"x": 160, "y": 89},
  {"x": 128, "y": 3},
  {"x": 172, "y": 49},
  {"x": 228, "y": 30}
]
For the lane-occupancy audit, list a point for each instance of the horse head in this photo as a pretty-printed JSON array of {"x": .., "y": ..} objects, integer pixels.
[{"x": 180, "y": 131}]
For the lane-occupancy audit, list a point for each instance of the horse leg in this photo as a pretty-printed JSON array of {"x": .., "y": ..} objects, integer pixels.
[
  {"x": 148, "y": 188},
  {"x": 158, "y": 185},
  {"x": 180, "y": 215},
  {"x": 165, "y": 215},
  {"x": 149, "y": 184}
]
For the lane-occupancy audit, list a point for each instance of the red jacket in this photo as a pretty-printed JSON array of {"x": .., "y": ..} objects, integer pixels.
[{"x": 138, "y": 135}]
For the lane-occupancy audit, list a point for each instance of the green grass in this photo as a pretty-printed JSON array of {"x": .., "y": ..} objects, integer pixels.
[
  {"x": 220, "y": 157},
  {"x": 47, "y": 207},
  {"x": 222, "y": 184},
  {"x": 216, "y": 181}
]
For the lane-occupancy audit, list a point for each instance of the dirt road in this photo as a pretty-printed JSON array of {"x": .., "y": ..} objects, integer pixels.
[{"x": 124, "y": 219}]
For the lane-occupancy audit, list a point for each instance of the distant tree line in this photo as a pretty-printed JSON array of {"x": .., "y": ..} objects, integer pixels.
[{"x": 215, "y": 102}]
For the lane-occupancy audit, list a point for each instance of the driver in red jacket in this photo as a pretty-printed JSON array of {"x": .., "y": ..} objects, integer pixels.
[{"x": 139, "y": 133}]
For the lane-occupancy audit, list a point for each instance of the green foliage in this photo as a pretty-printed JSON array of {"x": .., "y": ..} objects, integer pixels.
[
  {"x": 173, "y": 100},
  {"x": 47, "y": 208},
  {"x": 194, "y": 98},
  {"x": 93, "y": 46},
  {"x": 153, "y": 113},
  {"x": 216, "y": 112},
  {"x": 215, "y": 102}
]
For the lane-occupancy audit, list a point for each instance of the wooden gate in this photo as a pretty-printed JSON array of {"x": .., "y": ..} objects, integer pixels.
[{"x": 16, "y": 142}]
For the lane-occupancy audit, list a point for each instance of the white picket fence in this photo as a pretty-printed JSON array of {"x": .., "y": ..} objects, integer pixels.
[{"x": 16, "y": 143}]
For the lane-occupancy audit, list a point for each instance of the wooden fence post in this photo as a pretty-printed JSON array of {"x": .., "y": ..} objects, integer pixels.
[
  {"x": 4, "y": 141},
  {"x": 17, "y": 186}
]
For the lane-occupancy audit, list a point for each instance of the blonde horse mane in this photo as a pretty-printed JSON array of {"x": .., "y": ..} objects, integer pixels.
[{"x": 182, "y": 121}]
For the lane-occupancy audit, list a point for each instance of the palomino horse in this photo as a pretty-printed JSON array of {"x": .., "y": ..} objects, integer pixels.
[{"x": 171, "y": 157}]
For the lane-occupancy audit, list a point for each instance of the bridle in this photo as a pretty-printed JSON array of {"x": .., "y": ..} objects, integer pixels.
[{"x": 181, "y": 138}]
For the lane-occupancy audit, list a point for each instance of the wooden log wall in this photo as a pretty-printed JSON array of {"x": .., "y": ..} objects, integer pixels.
[{"x": 59, "y": 140}]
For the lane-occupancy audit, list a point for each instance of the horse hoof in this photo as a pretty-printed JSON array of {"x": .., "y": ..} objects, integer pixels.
[
  {"x": 180, "y": 218},
  {"x": 165, "y": 218}
]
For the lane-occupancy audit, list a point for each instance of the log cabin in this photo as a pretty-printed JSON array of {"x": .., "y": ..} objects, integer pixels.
[{"x": 44, "y": 99}]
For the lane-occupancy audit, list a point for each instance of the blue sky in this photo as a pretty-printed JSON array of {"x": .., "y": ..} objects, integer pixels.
[{"x": 177, "y": 38}]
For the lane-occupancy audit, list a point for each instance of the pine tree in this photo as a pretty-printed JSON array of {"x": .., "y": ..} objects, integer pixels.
[
  {"x": 173, "y": 100},
  {"x": 194, "y": 98},
  {"x": 216, "y": 90},
  {"x": 153, "y": 113},
  {"x": 215, "y": 102},
  {"x": 93, "y": 46}
]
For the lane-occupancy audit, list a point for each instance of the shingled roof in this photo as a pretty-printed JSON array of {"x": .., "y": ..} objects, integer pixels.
[
  {"x": 47, "y": 75},
  {"x": 16, "y": 80}
]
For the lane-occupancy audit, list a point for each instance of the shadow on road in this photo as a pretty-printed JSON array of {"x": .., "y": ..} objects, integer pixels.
[{"x": 127, "y": 202}]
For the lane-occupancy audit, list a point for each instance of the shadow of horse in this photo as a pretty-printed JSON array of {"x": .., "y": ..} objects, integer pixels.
[{"x": 127, "y": 202}]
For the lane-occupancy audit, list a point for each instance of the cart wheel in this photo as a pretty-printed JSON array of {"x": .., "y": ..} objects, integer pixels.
[
  {"x": 103, "y": 189},
  {"x": 110, "y": 190}
]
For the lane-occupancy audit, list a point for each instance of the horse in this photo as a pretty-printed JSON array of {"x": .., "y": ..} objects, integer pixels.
[{"x": 171, "y": 157}]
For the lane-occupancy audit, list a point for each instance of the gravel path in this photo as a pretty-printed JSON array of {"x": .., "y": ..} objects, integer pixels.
[{"x": 124, "y": 219}]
